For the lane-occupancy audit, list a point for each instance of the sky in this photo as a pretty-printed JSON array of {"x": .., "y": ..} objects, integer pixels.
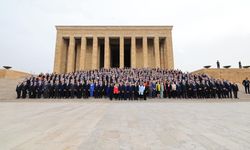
[{"x": 204, "y": 31}]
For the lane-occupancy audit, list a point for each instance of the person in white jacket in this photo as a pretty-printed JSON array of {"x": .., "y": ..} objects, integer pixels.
[{"x": 141, "y": 90}]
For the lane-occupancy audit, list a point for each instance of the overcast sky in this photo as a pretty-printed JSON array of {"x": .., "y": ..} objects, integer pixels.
[{"x": 204, "y": 31}]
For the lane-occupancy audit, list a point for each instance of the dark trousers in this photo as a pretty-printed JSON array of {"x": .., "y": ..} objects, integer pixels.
[
  {"x": 111, "y": 96},
  {"x": 247, "y": 89},
  {"x": 121, "y": 96},
  {"x": 144, "y": 96},
  {"x": 235, "y": 94},
  {"x": 18, "y": 94},
  {"x": 230, "y": 94},
  {"x": 219, "y": 94},
  {"x": 86, "y": 95},
  {"x": 130, "y": 96},
  {"x": 116, "y": 96},
  {"x": 189, "y": 94},
  {"x": 24, "y": 93},
  {"x": 141, "y": 96},
  {"x": 153, "y": 93},
  {"x": 184, "y": 94},
  {"x": 61, "y": 94},
  {"x": 39, "y": 94},
  {"x": 213, "y": 93}
]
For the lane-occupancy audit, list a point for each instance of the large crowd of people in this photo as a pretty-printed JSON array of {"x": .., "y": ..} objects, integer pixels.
[{"x": 126, "y": 84}]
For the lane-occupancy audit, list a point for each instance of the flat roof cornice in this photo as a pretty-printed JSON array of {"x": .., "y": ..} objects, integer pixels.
[{"x": 113, "y": 27}]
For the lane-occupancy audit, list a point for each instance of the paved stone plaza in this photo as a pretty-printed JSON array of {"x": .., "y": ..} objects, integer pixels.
[{"x": 101, "y": 124}]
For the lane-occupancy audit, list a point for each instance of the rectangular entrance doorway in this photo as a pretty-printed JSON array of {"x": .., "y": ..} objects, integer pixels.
[
  {"x": 114, "y": 53},
  {"x": 127, "y": 52}
]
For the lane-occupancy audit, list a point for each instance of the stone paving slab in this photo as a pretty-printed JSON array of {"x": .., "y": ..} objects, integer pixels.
[
  {"x": 72, "y": 124},
  {"x": 105, "y": 125}
]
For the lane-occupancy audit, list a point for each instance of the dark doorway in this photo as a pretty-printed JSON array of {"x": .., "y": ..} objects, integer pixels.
[
  {"x": 77, "y": 54},
  {"x": 115, "y": 53},
  {"x": 64, "y": 55},
  {"x": 101, "y": 58},
  {"x": 127, "y": 52}
]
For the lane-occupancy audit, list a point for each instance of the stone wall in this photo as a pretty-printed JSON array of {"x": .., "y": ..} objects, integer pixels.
[
  {"x": 12, "y": 74},
  {"x": 231, "y": 74}
]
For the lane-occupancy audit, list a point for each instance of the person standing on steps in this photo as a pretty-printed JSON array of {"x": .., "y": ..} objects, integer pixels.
[{"x": 246, "y": 83}]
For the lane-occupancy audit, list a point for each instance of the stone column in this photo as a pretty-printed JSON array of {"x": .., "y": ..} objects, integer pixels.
[
  {"x": 145, "y": 51},
  {"x": 157, "y": 52},
  {"x": 106, "y": 53},
  {"x": 71, "y": 55},
  {"x": 82, "y": 53},
  {"x": 170, "y": 57},
  {"x": 133, "y": 52},
  {"x": 162, "y": 55},
  {"x": 94, "y": 53},
  {"x": 58, "y": 54},
  {"x": 98, "y": 55},
  {"x": 121, "y": 52}
]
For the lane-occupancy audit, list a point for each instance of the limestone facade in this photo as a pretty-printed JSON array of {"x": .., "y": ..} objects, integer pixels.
[
  {"x": 13, "y": 74},
  {"x": 232, "y": 74},
  {"x": 93, "y": 47}
]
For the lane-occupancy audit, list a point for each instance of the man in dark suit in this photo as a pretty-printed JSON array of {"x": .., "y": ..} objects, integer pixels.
[
  {"x": 190, "y": 90},
  {"x": 127, "y": 89},
  {"x": 87, "y": 91},
  {"x": 39, "y": 90},
  {"x": 235, "y": 90},
  {"x": 102, "y": 90},
  {"x": 136, "y": 90},
  {"x": 72, "y": 90},
  {"x": 212, "y": 88},
  {"x": 31, "y": 90},
  {"x": 106, "y": 89},
  {"x": 60, "y": 88},
  {"x": 24, "y": 90},
  {"x": 246, "y": 84},
  {"x": 34, "y": 90},
  {"x": 78, "y": 89},
  {"x": 130, "y": 91},
  {"x": 122, "y": 91},
  {"x": 111, "y": 91},
  {"x": 183, "y": 89},
  {"x": 56, "y": 89},
  {"x": 67, "y": 89},
  {"x": 97, "y": 90},
  {"x": 19, "y": 89},
  {"x": 145, "y": 93},
  {"x": 51, "y": 89},
  {"x": 84, "y": 89},
  {"x": 218, "y": 89},
  {"x": 64, "y": 90}
]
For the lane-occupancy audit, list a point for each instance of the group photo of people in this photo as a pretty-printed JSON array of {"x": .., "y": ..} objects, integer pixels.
[{"x": 126, "y": 84}]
